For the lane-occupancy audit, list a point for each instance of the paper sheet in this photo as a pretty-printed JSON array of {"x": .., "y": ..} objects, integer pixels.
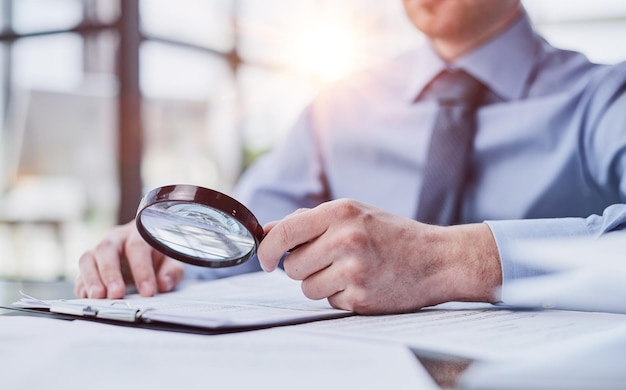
[
  {"x": 479, "y": 332},
  {"x": 42, "y": 353},
  {"x": 592, "y": 362}
]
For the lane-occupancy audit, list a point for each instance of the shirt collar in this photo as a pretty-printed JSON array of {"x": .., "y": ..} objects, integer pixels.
[{"x": 503, "y": 64}]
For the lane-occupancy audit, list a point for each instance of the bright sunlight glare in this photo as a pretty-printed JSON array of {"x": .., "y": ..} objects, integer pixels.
[{"x": 327, "y": 52}]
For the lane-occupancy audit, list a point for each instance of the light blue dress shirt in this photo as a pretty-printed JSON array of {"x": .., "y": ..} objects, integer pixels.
[{"x": 549, "y": 156}]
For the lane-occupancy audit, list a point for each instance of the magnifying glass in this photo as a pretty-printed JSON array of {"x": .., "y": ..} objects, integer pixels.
[{"x": 198, "y": 226}]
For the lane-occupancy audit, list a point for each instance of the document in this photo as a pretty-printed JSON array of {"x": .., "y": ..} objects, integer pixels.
[
  {"x": 247, "y": 301},
  {"x": 474, "y": 331},
  {"x": 43, "y": 353},
  {"x": 592, "y": 362}
]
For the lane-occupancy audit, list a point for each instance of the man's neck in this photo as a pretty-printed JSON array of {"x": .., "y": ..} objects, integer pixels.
[{"x": 451, "y": 49}]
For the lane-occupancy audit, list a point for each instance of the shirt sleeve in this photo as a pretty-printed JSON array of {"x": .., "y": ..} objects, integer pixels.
[
  {"x": 287, "y": 178},
  {"x": 603, "y": 152}
]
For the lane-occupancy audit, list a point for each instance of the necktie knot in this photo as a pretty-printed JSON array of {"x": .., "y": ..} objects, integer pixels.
[{"x": 455, "y": 87}]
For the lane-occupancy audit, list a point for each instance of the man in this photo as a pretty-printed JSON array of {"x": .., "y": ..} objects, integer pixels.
[{"x": 547, "y": 160}]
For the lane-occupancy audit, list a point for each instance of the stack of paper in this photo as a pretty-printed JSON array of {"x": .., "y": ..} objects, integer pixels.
[{"x": 594, "y": 362}]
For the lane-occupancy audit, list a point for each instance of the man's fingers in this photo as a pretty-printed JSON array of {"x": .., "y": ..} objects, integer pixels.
[
  {"x": 100, "y": 272},
  {"x": 108, "y": 263},
  {"x": 303, "y": 261},
  {"x": 90, "y": 284},
  {"x": 170, "y": 273},
  {"x": 79, "y": 288},
  {"x": 139, "y": 256},
  {"x": 118, "y": 259},
  {"x": 270, "y": 225},
  {"x": 322, "y": 284},
  {"x": 295, "y": 229}
]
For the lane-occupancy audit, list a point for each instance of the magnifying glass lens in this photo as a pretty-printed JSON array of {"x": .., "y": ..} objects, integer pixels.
[{"x": 198, "y": 226}]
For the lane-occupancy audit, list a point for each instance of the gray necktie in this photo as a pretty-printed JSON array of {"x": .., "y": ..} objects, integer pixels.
[{"x": 446, "y": 171}]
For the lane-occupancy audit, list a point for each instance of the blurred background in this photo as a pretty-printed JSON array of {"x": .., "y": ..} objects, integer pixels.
[{"x": 101, "y": 100}]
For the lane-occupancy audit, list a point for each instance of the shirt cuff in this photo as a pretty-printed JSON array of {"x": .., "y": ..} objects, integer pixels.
[{"x": 509, "y": 233}]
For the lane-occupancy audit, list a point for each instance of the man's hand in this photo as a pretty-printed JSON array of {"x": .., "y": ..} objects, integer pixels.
[
  {"x": 123, "y": 258},
  {"x": 369, "y": 261}
]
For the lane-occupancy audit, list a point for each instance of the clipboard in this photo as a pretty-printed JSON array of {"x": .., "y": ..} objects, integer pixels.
[{"x": 245, "y": 302}]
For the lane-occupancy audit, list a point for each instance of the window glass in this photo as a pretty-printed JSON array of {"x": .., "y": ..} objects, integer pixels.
[
  {"x": 61, "y": 54},
  {"x": 103, "y": 11},
  {"x": 542, "y": 11},
  {"x": 60, "y": 156},
  {"x": 601, "y": 42},
  {"x": 99, "y": 53},
  {"x": 42, "y": 15},
  {"x": 170, "y": 71},
  {"x": 595, "y": 28},
  {"x": 3, "y": 14},
  {"x": 188, "y": 117},
  {"x": 3, "y": 100},
  {"x": 272, "y": 102},
  {"x": 199, "y": 22}
]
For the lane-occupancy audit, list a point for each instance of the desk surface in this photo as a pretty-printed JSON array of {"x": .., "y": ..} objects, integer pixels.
[{"x": 444, "y": 371}]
